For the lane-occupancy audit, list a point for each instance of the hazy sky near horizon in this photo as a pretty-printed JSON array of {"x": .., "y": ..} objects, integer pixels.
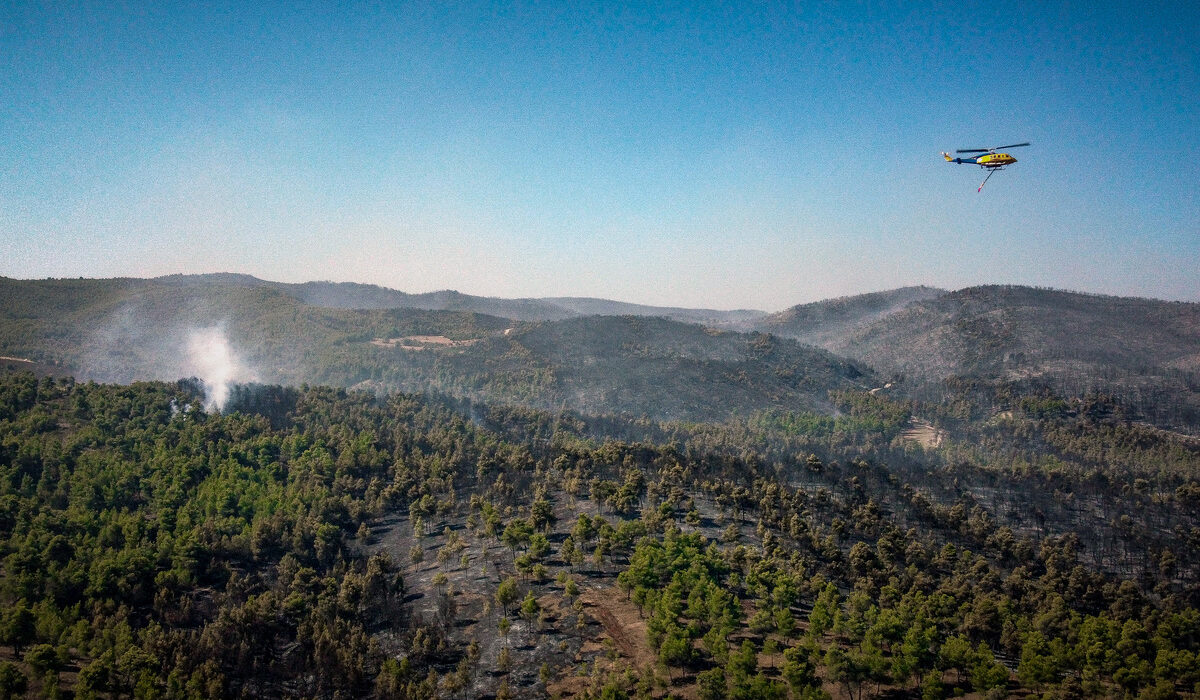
[{"x": 727, "y": 155}]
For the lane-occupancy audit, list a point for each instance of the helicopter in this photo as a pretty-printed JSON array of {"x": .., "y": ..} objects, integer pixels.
[{"x": 990, "y": 160}]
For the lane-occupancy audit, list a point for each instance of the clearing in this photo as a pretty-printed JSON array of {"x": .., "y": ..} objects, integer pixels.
[
  {"x": 422, "y": 342},
  {"x": 923, "y": 433}
]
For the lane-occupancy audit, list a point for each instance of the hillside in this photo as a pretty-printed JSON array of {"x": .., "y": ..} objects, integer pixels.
[
  {"x": 654, "y": 367},
  {"x": 827, "y": 323},
  {"x": 1004, "y": 340},
  {"x": 350, "y": 295},
  {"x": 317, "y": 543},
  {"x": 787, "y": 536},
  {"x": 126, "y": 330},
  {"x": 1144, "y": 351},
  {"x": 1020, "y": 330}
]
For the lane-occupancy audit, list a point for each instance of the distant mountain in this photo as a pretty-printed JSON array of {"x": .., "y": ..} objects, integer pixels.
[
  {"x": 350, "y": 295},
  {"x": 1015, "y": 331},
  {"x": 1144, "y": 351},
  {"x": 127, "y": 330},
  {"x": 1014, "y": 339},
  {"x": 827, "y": 323},
  {"x": 585, "y": 306}
]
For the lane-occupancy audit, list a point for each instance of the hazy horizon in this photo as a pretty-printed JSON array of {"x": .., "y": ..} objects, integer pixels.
[
  {"x": 696, "y": 157},
  {"x": 633, "y": 302}
]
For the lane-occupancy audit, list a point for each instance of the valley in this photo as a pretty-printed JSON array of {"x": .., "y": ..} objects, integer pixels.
[
  {"x": 590, "y": 507},
  {"x": 599, "y": 351}
]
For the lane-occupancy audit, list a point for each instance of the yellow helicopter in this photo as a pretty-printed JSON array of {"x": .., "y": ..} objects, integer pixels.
[{"x": 990, "y": 160}]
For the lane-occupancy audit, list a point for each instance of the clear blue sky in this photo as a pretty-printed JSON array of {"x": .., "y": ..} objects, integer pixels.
[{"x": 725, "y": 155}]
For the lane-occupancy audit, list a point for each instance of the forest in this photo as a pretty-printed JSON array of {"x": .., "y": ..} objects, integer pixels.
[
  {"x": 323, "y": 543},
  {"x": 1000, "y": 343}
]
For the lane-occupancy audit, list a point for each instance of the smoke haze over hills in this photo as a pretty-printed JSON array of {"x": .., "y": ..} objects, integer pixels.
[
  {"x": 661, "y": 362},
  {"x": 599, "y": 350}
]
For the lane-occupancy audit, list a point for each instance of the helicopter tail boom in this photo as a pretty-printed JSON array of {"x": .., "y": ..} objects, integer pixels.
[{"x": 960, "y": 161}]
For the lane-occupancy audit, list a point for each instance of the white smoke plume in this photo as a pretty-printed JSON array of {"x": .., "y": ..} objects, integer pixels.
[{"x": 211, "y": 358}]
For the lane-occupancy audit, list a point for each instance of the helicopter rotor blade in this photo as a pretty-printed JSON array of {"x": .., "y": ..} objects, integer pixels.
[{"x": 991, "y": 150}]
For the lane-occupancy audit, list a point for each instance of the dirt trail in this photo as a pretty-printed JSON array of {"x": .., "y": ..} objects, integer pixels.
[{"x": 621, "y": 623}]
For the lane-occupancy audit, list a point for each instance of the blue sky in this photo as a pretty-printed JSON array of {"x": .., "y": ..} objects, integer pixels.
[{"x": 719, "y": 155}]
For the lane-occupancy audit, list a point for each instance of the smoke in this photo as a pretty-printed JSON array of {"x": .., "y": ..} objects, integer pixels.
[
  {"x": 159, "y": 335},
  {"x": 211, "y": 358}
]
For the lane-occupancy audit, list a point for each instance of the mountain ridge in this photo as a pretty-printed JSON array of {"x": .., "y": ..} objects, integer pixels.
[
  {"x": 1145, "y": 351},
  {"x": 355, "y": 295},
  {"x": 122, "y": 331}
]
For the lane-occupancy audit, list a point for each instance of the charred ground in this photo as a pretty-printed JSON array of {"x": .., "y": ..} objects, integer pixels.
[{"x": 318, "y": 543}]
